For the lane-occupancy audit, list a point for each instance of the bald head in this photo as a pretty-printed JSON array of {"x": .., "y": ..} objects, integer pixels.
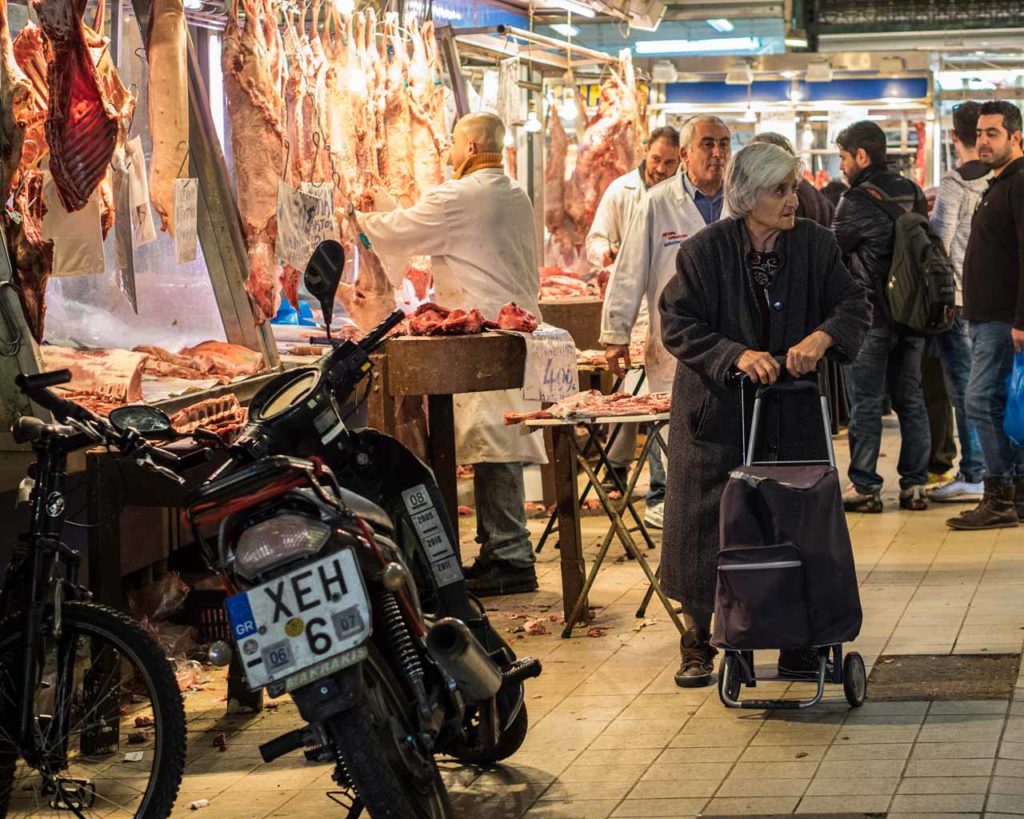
[{"x": 475, "y": 134}]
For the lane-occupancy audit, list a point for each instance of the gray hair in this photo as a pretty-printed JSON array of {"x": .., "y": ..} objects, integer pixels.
[
  {"x": 758, "y": 167},
  {"x": 690, "y": 126},
  {"x": 773, "y": 138}
]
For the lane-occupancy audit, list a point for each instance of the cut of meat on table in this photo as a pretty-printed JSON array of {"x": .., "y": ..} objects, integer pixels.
[
  {"x": 113, "y": 373},
  {"x": 165, "y": 364},
  {"x": 223, "y": 358},
  {"x": 421, "y": 275},
  {"x": 96, "y": 404},
  {"x": 595, "y": 404},
  {"x": 222, "y": 415},
  {"x": 256, "y": 106},
  {"x": 514, "y": 317},
  {"x": 559, "y": 282},
  {"x": 83, "y": 122},
  {"x": 167, "y": 88},
  {"x": 596, "y": 358}
]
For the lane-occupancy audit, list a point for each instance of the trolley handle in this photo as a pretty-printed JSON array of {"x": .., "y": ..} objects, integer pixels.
[{"x": 787, "y": 382}]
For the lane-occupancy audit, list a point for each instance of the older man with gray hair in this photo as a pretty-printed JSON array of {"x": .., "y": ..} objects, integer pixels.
[
  {"x": 754, "y": 286},
  {"x": 478, "y": 230},
  {"x": 671, "y": 212}
]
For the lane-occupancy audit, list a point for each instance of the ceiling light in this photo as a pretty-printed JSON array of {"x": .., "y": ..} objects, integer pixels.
[
  {"x": 819, "y": 71},
  {"x": 565, "y": 29},
  {"x": 510, "y": 139},
  {"x": 795, "y": 38},
  {"x": 664, "y": 71},
  {"x": 795, "y": 93},
  {"x": 532, "y": 124},
  {"x": 723, "y": 44},
  {"x": 749, "y": 115},
  {"x": 739, "y": 74},
  {"x": 721, "y": 24},
  {"x": 891, "y": 65},
  {"x": 574, "y": 6},
  {"x": 788, "y": 75}
]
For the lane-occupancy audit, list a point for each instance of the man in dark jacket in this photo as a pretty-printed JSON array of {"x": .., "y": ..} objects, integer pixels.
[
  {"x": 994, "y": 306},
  {"x": 866, "y": 234},
  {"x": 812, "y": 204}
]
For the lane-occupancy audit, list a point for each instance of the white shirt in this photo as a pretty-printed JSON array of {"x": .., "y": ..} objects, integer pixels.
[
  {"x": 665, "y": 217},
  {"x": 614, "y": 213},
  {"x": 478, "y": 231}
]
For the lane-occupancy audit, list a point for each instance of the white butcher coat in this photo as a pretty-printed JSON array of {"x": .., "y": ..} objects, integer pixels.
[
  {"x": 646, "y": 262},
  {"x": 479, "y": 233},
  {"x": 614, "y": 213}
]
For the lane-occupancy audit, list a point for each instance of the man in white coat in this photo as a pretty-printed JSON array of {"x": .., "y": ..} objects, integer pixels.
[
  {"x": 671, "y": 211},
  {"x": 614, "y": 213},
  {"x": 478, "y": 230}
]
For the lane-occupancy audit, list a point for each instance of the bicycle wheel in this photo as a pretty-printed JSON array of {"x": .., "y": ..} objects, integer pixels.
[{"x": 108, "y": 721}]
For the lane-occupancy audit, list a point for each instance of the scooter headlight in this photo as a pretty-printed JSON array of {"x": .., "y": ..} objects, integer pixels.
[{"x": 278, "y": 540}]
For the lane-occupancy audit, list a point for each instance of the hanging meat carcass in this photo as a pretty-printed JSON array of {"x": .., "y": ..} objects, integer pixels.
[
  {"x": 88, "y": 106},
  {"x": 166, "y": 50},
  {"x": 30, "y": 54},
  {"x": 428, "y": 143},
  {"x": 398, "y": 171},
  {"x": 15, "y": 103},
  {"x": 31, "y": 254},
  {"x": 560, "y": 249},
  {"x": 249, "y": 62}
]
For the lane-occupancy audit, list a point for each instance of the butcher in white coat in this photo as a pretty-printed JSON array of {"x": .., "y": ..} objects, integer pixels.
[
  {"x": 478, "y": 229},
  {"x": 670, "y": 212},
  {"x": 623, "y": 195}
]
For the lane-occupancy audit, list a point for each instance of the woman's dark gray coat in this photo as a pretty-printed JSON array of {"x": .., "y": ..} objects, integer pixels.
[{"x": 709, "y": 315}]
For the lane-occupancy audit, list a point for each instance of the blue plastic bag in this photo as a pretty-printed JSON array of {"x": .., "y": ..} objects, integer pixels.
[{"x": 1013, "y": 421}]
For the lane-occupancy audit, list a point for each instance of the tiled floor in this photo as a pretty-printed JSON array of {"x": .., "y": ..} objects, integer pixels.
[{"x": 612, "y": 736}]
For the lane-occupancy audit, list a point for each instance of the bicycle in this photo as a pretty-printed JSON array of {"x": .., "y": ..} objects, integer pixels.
[{"x": 91, "y": 719}]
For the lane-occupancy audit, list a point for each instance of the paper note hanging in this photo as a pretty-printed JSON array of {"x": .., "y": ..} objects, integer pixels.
[
  {"x": 296, "y": 214},
  {"x": 325, "y": 223},
  {"x": 143, "y": 228},
  {"x": 186, "y": 198},
  {"x": 77, "y": 237}
]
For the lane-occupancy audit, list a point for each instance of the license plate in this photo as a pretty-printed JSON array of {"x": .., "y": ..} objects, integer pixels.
[{"x": 303, "y": 619}]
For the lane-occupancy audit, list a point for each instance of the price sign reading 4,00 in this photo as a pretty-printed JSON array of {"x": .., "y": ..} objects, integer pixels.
[{"x": 559, "y": 376}]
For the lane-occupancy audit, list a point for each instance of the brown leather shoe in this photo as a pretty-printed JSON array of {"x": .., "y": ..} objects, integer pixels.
[
  {"x": 698, "y": 659},
  {"x": 997, "y": 509}
]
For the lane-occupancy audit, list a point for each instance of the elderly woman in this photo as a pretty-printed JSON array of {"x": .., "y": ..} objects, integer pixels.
[{"x": 749, "y": 288}]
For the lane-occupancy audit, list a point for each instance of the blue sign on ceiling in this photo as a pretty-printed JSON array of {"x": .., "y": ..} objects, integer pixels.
[
  {"x": 466, "y": 13},
  {"x": 851, "y": 90}
]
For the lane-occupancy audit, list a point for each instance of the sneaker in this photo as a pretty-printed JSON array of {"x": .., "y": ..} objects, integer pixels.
[
  {"x": 997, "y": 509},
  {"x": 865, "y": 502},
  {"x": 654, "y": 516},
  {"x": 913, "y": 499},
  {"x": 497, "y": 577},
  {"x": 800, "y": 664},
  {"x": 697, "y": 659},
  {"x": 957, "y": 490}
]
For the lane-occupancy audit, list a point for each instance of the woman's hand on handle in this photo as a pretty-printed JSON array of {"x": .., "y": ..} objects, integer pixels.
[
  {"x": 759, "y": 366},
  {"x": 803, "y": 358}
]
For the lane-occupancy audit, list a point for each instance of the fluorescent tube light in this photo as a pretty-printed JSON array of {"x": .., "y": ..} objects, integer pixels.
[
  {"x": 722, "y": 44},
  {"x": 565, "y": 29},
  {"x": 722, "y": 25},
  {"x": 795, "y": 38},
  {"x": 575, "y": 6}
]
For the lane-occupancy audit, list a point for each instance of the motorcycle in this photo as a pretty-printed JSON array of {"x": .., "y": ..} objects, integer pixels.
[{"x": 346, "y": 589}]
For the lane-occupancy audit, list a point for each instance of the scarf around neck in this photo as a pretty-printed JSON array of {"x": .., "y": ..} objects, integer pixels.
[{"x": 477, "y": 162}]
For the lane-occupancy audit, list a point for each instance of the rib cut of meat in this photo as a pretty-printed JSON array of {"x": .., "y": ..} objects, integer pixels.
[
  {"x": 110, "y": 372},
  {"x": 32, "y": 255},
  {"x": 223, "y": 358},
  {"x": 167, "y": 54},
  {"x": 96, "y": 404},
  {"x": 222, "y": 415},
  {"x": 595, "y": 404},
  {"x": 256, "y": 107},
  {"x": 514, "y": 317},
  {"x": 82, "y": 123},
  {"x": 164, "y": 363}
]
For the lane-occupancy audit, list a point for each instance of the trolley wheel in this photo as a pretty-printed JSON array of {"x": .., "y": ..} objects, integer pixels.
[
  {"x": 855, "y": 679},
  {"x": 729, "y": 678}
]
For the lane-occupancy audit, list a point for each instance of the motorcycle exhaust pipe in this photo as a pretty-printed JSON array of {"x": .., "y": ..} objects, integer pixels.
[{"x": 457, "y": 651}]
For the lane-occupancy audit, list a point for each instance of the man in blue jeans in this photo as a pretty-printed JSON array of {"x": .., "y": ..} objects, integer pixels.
[
  {"x": 994, "y": 306},
  {"x": 960, "y": 193},
  {"x": 866, "y": 234}
]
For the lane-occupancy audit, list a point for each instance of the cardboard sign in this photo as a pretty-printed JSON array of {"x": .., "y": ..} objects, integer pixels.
[
  {"x": 325, "y": 224},
  {"x": 296, "y": 213},
  {"x": 551, "y": 372},
  {"x": 143, "y": 228},
  {"x": 77, "y": 237},
  {"x": 186, "y": 199}
]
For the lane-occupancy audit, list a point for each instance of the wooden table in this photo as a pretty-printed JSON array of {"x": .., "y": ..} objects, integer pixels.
[
  {"x": 581, "y": 317},
  {"x": 440, "y": 367}
]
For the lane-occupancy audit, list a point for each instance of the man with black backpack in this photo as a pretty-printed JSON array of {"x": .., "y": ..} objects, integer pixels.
[
  {"x": 994, "y": 307},
  {"x": 866, "y": 227}
]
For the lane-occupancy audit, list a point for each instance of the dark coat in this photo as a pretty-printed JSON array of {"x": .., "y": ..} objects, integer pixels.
[
  {"x": 813, "y": 205},
  {"x": 710, "y": 314}
]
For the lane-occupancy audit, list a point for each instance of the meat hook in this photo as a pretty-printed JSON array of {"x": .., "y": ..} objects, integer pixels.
[{"x": 184, "y": 159}]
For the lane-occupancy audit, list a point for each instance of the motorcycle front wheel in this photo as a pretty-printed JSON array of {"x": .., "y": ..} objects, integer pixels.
[
  {"x": 108, "y": 721},
  {"x": 375, "y": 741}
]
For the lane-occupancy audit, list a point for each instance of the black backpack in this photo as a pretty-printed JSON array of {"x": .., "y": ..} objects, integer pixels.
[{"x": 920, "y": 289}]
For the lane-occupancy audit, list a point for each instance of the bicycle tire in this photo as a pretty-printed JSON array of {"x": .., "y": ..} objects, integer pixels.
[{"x": 134, "y": 644}]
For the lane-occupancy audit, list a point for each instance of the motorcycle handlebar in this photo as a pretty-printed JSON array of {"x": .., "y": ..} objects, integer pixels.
[
  {"x": 37, "y": 387},
  {"x": 373, "y": 339}
]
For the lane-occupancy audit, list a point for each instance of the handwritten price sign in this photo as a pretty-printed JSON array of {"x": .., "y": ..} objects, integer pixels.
[{"x": 551, "y": 373}]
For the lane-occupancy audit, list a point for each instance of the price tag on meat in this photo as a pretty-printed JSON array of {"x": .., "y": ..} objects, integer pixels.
[
  {"x": 296, "y": 213},
  {"x": 551, "y": 372},
  {"x": 186, "y": 197}
]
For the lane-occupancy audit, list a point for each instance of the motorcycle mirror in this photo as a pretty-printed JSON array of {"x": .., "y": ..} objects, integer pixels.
[
  {"x": 323, "y": 273},
  {"x": 149, "y": 422}
]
